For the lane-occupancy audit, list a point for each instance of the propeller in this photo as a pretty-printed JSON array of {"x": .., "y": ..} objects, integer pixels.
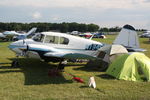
[{"x": 25, "y": 46}]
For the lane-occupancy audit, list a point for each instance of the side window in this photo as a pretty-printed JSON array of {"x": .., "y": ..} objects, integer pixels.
[
  {"x": 51, "y": 39},
  {"x": 56, "y": 39},
  {"x": 64, "y": 40}
]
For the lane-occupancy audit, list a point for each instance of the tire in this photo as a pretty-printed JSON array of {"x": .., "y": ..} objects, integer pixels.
[{"x": 15, "y": 64}]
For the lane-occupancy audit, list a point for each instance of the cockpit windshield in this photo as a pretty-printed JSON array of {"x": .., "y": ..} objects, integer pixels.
[{"x": 38, "y": 37}]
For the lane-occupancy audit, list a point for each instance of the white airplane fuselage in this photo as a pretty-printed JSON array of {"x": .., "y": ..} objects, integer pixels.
[{"x": 54, "y": 45}]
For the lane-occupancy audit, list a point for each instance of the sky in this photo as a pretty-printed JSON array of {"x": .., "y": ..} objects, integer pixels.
[{"x": 105, "y": 13}]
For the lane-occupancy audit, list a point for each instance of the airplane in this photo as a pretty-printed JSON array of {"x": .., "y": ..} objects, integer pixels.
[
  {"x": 86, "y": 35},
  {"x": 12, "y": 35},
  {"x": 57, "y": 47},
  {"x": 146, "y": 34},
  {"x": 3, "y": 37},
  {"x": 25, "y": 35}
]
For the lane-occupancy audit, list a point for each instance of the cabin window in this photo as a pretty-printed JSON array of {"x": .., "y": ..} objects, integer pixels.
[
  {"x": 38, "y": 38},
  {"x": 64, "y": 40},
  {"x": 56, "y": 40},
  {"x": 51, "y": 39}
]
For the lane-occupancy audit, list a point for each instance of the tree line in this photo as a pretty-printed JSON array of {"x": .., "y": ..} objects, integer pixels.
[{"x": 61, "y": 27}]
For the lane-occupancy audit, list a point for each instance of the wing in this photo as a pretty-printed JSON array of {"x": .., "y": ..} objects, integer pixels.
[
  {"x": 69, "y": 55},
  {"x": 46, "y": 51}
]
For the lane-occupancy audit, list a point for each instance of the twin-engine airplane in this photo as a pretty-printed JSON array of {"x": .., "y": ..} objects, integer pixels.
[{"x": 52, "y": 46}]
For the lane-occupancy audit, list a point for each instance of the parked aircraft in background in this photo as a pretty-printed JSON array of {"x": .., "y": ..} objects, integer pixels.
[
  {"x": 12, "y": 35},
  {"x": 2, "y": 36},
  {"x": 145, "y": 34},
  {"x": 86, "y": 35},
  {"x": 74, "y": 33},
  {"x": 25, "y": 35},
  {"x": 99, "y": 35},
  {"x": 53, "y": 46}
]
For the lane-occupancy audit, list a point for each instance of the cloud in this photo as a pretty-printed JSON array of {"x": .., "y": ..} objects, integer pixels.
[
  {"x": 36, "y": 15},
  {"x": 101, "y": 12},
  {"x": 56, "y": 18},
  {"x": 146, "y": 1},
  {"x": 72, "y": 3}
]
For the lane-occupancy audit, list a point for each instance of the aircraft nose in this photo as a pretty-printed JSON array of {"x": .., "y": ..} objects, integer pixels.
[
  {"x": 11, "y": 46},
  {"x": 17, "y": 44}
]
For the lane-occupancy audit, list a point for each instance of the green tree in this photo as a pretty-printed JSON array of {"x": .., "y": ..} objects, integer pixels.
[
  {"x": 93, "y": 27},
  {"x": 64, "y": 27},
  {"x": 83, "y": 28}
]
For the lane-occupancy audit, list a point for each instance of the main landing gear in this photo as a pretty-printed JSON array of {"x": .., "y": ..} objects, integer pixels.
[
  {"x": 62, "y": 65},
  {"x": 60, "y": 68}
]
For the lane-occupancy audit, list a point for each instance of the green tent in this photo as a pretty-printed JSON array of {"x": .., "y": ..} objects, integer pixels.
[{"x": 130, "y": 66}]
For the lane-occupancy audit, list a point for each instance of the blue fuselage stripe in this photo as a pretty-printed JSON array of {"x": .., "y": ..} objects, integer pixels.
[{"x": 46, "y": 50}]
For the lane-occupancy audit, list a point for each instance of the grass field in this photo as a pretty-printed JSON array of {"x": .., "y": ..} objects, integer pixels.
[{"x": 31, "y": 80}]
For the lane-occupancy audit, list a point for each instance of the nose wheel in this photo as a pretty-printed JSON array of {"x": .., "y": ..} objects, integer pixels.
[{"x": 15, "y": 64}]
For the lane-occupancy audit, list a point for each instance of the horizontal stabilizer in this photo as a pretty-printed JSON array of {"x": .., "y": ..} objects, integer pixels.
[{"x": 136, "y": 49}]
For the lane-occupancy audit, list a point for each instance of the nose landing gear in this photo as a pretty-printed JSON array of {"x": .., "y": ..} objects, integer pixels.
[{"x": 15, "y": 63}]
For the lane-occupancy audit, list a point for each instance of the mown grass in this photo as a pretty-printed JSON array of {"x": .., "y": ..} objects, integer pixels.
[{"x": 31, "y": 80}]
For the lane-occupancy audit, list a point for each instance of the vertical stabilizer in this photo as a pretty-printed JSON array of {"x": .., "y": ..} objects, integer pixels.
[
  {"x": 31, "y": 31},
  {"x": 127, "y": 37}
]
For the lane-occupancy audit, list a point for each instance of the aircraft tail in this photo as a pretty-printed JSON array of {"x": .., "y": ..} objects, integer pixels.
[
  {"x": 30, "y": 32},
  {"x": 128, "y": 37}
]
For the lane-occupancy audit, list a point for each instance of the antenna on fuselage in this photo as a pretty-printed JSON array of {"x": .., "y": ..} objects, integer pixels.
[{"x": 91, "y": 37}]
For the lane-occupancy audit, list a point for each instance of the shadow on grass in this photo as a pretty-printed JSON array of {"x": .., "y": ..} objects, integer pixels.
[
  {"x": 96, "y": 66},
  {"x": 91, "y": 68},
  {"x": 10, "y": 71},
  {"x": 105, "y": 76},
  {"x": 4, "y": 63},
  {"x": 88, "y": 69},
  {"x": 79, "y": 64},
  {"x": 36, "y": 72},
  {"x": 6, "y": 67},
  {"x": 85, "y": 86}
]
